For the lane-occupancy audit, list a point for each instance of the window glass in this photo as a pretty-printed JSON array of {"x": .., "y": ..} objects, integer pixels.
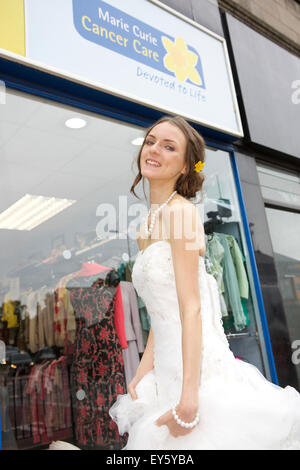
[
  {"x": 228, "y": 260},
  {"x": 68, "y": 245},
  {"x": 284, "y": 230},
  {"x": 280, "y": 188},
  {"x": 59, "y": 274},
  {"x": 281, "y": 192}
]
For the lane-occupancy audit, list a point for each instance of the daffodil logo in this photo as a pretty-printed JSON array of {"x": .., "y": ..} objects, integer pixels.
[{"x": 180, "y": 60}]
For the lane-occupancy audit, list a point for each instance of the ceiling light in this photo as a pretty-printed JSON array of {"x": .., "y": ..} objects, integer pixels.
[
  {"x": 31, "y": 211},
  {"x": 75, "y": 123},
  {"x": 138, "y": 141}
]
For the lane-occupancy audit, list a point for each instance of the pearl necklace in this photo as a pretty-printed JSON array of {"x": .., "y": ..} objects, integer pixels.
[{"x": 153, "y": 216}]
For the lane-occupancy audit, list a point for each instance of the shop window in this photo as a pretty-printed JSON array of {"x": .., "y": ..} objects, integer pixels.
[
  {"x": 61, "y": 306},
  {"x": 281, "y": 193},
  {"x": 64, "y": 274},
  {"x": 227, "y": 258}
]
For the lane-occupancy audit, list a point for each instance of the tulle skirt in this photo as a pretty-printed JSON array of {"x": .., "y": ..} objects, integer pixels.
[{"x": 251, "y": 414}]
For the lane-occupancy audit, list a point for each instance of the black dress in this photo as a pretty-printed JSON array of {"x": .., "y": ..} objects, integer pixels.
[{"x": 97, "y": 370}]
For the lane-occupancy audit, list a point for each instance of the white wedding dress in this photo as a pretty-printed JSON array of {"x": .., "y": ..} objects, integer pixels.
[{"x": 239, "y": 408}]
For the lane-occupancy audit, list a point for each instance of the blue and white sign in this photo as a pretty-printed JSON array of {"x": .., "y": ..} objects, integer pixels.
[
  {"x": 140, "y": 50},
  {"x": 113, "y": 29}
]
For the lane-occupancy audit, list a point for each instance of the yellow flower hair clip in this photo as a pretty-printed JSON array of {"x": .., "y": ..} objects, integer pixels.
[{"x": 199, "y": 166}]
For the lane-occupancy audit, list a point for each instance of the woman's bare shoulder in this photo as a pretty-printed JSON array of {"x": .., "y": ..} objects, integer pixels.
[
  {"x": 181, "y": 201},
  {"x": 188, "y": 217},
  {"x": 181, "y": 205}
]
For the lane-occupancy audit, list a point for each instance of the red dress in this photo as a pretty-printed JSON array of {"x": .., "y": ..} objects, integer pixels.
[{"x": 97, "y": 371}]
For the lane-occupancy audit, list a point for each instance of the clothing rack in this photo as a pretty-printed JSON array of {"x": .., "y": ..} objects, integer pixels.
[
  {"x": 37, "y": 408},
  {"x": 237, "y": 335}
]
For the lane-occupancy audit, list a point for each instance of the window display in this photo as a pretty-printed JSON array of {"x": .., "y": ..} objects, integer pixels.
[
  {"x": 227, "y": 259},
  {"x": 71, "y": 323}
]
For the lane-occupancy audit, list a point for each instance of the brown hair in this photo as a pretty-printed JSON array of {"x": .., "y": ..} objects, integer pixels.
[{"x": 188, "y": 184}]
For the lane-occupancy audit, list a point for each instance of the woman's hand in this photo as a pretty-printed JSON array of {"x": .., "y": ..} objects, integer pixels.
[
  {"x": 145, "y": 366},
  {"x": 132, "y": 386},
  {"x": 175, "y": 429}
]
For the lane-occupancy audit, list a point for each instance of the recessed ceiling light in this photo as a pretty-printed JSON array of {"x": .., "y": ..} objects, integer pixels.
[
  {"x": 75, "y": 123},
  {"x": 138, "y": 141},
  {"x": 31, "y": 211}
]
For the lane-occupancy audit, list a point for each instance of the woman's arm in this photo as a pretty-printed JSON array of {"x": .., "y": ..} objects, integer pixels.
[
  {"x": 146, "y": 364},
  {"x": 147, "y": 361},
  {"x": 191, "y": 357},
  {"x": 185, "y": 254},
  {"x": 187, "y": 240}
]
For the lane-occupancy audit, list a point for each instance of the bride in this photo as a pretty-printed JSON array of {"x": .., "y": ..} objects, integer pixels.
[{"x": 189, "y": 391}]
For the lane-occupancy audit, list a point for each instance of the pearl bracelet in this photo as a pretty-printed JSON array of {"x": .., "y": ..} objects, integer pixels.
[{"x": 182, "y": 423}]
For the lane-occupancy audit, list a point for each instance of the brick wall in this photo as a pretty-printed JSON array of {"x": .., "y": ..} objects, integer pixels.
[{"x": 279, "y": 20}]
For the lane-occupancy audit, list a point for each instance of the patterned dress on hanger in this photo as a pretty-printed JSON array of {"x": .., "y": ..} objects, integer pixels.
[{"x": 97, "y": 371}]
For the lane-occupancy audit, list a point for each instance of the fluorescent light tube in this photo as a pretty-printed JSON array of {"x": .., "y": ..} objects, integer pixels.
[{"x": 31, "y": 211}]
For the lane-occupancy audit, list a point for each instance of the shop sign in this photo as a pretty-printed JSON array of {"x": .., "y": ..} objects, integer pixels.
[
  {"x": 113, "y": 29},
  {"x": 140, "y": 50}
]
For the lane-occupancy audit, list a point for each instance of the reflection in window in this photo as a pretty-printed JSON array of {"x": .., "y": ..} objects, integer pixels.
[
  {"x": 227, "y": 260},
  {"x": 284, "y": 230}
]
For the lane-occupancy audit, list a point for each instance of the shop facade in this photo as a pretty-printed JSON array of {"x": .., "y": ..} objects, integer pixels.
[
  {"x": 267, "y": 79},
  {"x": 68, "y": 220}
]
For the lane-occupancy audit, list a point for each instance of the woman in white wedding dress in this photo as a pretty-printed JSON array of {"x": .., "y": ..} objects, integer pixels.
[{"x": 189, "y": 391}]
